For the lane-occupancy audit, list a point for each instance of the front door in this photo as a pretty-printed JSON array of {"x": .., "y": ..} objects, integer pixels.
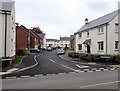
[
  {"x": 88, "y": 48},
  {"x": 65, "y": 45}
]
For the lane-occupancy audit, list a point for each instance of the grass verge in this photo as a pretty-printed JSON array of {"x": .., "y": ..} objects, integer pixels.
[{"x": 17, "y": 60}]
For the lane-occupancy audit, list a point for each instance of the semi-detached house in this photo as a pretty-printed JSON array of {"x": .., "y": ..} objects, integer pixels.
[
  {"x": 7, "y": 28},
  {"x": 26, "y": 38},
  {"x": 99, "y": 36}
]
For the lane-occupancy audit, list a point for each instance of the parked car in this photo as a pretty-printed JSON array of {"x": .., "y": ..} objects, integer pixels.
[
  {"x": 53, "y": 48},
  {"x": 61, "y": 51},
  {"x": 49, "y": 49},
  {"x": 35, "y": 50}
]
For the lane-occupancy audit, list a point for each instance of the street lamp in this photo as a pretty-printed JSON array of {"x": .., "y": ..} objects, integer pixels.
[{"x": 6, "y": 12}]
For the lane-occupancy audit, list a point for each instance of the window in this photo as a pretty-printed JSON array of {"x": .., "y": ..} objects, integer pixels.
[
  {"x": 87, "y": 33},
  {"x": 79, "y": 46},
  {"x": 100, "y": 45},
  {"x": 116, "y": 44},
  {"x": 116, "y": 27},
  {"x": 80, "y": 34},
  {"x": 101, "y": 29}
]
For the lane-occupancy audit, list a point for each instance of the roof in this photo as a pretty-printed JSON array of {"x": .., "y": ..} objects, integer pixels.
[
  {"x": 52, "y": 40},
  {"x": 87, "y": 41},
  {"x": 23, "y": 28},
  {"x": 6, "y": 5},
  {"x": 65, "y": 38},
  {"x": 100, "y": 21},
  {"x": 41, "y": 35}
]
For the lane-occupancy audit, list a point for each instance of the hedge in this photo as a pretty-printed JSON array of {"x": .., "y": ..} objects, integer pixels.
[
  {"x": 95, "y": 57},
  {"x": 22, "y": 52}
]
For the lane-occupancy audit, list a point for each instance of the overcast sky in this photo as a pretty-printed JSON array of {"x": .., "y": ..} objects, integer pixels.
[{"x": 61, "y": 17}]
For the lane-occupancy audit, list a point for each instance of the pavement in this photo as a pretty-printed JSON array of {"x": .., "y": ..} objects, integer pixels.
[
  {"x": 26, "y": 62},
  {"x": 77, "y": 60}
]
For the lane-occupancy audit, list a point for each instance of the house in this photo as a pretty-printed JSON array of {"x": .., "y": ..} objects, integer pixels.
[
  {"x": 64, "y": 42},
  {"x": 52, "y": 43},
  {"x": 99, "y": 36},
  {"x": 25, "y": 38},
  {"x": 43, "y": 41},
  {"x": 7, "y": 28},
  {"x": 42, "y": 36}
]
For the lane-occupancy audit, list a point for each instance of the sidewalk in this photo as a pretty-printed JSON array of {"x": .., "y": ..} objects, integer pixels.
[
  {"x": 26, "y": 62},
  {"x": 77, "y": 60}
]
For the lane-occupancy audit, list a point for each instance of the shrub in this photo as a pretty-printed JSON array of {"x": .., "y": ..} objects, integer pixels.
[
  {"x": 95, "y": 57},
  {"x": 27, "y": 53},
  {"x": 20, "y": 52},
  {"x": 73, "y": 54}
]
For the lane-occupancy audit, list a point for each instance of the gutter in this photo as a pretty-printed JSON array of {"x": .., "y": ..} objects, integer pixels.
[{"x": 106, "y": 37}]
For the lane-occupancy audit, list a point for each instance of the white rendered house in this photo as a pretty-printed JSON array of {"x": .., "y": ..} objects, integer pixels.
[
  {"x": 64, "y": 42},
  {"x": 7, "y": 29},
  {"x": 52, "y": 43},
  {"x": 99, "y": 36}
]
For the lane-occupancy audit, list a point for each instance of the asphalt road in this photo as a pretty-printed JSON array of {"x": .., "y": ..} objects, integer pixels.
[
  {"x": 86, "y": 80},
  {"x": 49, "y": 63}
]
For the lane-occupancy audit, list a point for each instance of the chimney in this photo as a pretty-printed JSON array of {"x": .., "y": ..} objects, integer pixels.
[{"x": 86, "y": 21}]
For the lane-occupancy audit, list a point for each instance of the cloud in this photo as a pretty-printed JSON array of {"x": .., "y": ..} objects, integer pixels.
[{"x": 60, "y": 17}]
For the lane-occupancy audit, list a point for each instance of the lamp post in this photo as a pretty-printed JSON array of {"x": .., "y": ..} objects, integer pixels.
[{"x": 6, "y": 12}]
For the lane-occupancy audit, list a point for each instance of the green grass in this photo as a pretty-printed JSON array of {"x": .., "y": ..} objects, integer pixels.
[{"x": 17, "y": 60}]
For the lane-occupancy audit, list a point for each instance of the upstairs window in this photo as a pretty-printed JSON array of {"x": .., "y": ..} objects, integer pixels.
[
  {"x": 116, "y": 27},
  {"x": 101, "y": 29},
  {"x": 87, "y": 33},
  {"x": 100, "y": 45},
  {"x": 80, "y": 34}
]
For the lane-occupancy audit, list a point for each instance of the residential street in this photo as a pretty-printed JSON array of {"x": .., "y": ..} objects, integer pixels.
[
  {"x": 49, "y": 62},
  {"x": 88, "y": 80}
]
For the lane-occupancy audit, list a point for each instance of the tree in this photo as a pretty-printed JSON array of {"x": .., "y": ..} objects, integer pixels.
[{"x": 37, "y": 30}]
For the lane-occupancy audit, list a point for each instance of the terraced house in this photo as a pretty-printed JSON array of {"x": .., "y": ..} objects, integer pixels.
[
  {"x": 7, "y": 28},
  {"x": 99, "y": 36},
  {"x": 64, "y": 42}
]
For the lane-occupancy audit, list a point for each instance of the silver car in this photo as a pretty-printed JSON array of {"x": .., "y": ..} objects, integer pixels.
[{"x": 61, "y": 51}]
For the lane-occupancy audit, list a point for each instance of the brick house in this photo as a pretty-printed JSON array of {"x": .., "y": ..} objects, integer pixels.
[
  {"x": 26, "y": 38},
  {"x": 41, "y": 35}
]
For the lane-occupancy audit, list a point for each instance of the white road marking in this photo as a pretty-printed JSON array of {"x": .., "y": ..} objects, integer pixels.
[
  {"x": 13, "y": 69},
  {"x": 91, "y": 63},
  {"x": 99, "y": 84},
  {"x": 69, "y": 68},
  {"x": 52, "y": 61},
  {"x": 25, "y": 76},
  {"x": 81, "y": 66},
  {"x": 30, "y": 66},
  {"x": 11, "y": 77}
]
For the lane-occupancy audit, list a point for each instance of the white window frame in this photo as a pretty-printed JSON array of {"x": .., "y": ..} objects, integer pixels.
[
  {"x": 116, "y": 45},
  {"x": 116, "y": 27},
  {"x": 79, "y": 46},
  {"x": 80, "y": 35},
  {"x": 101, "y": 46},
  {"x": 101, "y": 29}
]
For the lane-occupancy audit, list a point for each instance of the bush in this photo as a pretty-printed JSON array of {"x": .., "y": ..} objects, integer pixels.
[
  {"x": 20, "y": 52},
  {"x": 27, "y": 53},
  {"x": 73, "y": 54},
  {"x": 95, "y": 57}
]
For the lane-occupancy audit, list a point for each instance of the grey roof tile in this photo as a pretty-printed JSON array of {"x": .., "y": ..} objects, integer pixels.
[
  {"x": 7, "y": 5},
  {"x": 64, "y": 38},
  {"x": 100, "y": 21}
]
